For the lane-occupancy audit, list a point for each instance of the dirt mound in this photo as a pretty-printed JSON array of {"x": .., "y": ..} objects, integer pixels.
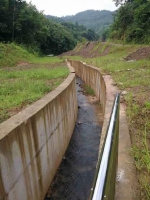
[{"x": 141, "y": 53}]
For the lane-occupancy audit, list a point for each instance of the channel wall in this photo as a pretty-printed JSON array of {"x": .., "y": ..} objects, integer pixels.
[
  {"x": 33, "y": 142},
  {"x": 94, "y": 79}
]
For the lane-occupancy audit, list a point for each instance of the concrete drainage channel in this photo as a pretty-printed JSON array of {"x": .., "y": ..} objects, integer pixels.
[
  {"x": 76, "y": 173},
  {"x": 33, "y": 142}
]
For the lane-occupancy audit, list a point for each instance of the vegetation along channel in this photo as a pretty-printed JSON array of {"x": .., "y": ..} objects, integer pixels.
[{"x": 76, "y": 173}]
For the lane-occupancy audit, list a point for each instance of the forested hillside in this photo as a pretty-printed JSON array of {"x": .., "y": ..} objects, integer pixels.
[
  {"x": 93, "y": 19},
  {"x": 22, "y": 23},
  {"x": 79, "y": 32},
  {"x": 132, "y": 22}
]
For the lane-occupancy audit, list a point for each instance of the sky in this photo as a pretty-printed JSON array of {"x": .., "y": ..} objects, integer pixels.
[{"x": 61, "y": 8}]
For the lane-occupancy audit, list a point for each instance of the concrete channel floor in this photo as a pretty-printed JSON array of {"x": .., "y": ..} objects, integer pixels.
[{"x": 76, "y": 173}]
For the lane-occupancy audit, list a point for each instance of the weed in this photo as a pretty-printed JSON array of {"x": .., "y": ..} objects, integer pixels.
[
  {"x": 96, "y": 46},
  {"x": 104, "y": 47},
  {"x": 89, "y": 90},
  {"x": 141, "y": 155},
  {"x": 79, "y": 47},
  {"x": 147, "y": 104}
]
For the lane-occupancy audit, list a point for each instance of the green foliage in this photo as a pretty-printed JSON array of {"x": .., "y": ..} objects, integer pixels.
[
  {"x": 79, "y": 32},
  {"x": 22, "y": 23},
  {"x": 131, "y": 22},
  {"x": 58, "y": 40},
  {"x": 105, "y": 34},
  {"x": 89, "y": 90}
]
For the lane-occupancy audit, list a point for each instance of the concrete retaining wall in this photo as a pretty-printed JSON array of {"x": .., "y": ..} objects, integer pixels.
[
  {"x": 93, "y": 78},
  {"x": 33, "y": 142}
]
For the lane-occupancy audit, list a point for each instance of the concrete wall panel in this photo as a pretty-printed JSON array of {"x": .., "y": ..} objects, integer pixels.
[
  {"x": 93, "y": 78},
  {"x": 33, "y": 142}
]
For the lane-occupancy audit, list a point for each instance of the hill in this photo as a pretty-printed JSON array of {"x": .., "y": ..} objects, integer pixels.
[
  {"x": 79, "y": 32},
  {"x": 92, "y": 19}
]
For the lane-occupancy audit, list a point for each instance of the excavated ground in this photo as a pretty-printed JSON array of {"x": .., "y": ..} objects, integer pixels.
[
  {"x": 141, "y": 53},
  {"x": 92, "y": 49}
]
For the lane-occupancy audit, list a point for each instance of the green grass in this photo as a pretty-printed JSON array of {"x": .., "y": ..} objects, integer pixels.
[
  {"x": 22, "y": 87},
  {"x": 141, "y": 154},
  {"x": 79, "y": 47},
  {"x": 35, "y": 73},
  {"x": 80, "y": 58},
  {"x": 26, "y": 77},
  {"x": 45, "y": 60},
  {"x": 12, "y": 54},
  {"x": 104, "y": 47},
  {"x": 96, "y": 46},
  {"x": 89, "y": 90}
]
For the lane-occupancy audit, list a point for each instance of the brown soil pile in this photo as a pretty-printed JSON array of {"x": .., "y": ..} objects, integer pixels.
[{"x": 141, "y": 53}]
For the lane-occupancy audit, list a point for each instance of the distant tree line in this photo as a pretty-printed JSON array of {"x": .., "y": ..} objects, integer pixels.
[
  {"x": 22, "y": 23},
  {"x": 131, "y": 22},
  {"x": 79, "y": 32}
]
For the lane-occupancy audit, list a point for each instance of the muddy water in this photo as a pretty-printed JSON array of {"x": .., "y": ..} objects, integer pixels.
[{"x": 76, "y": 172}]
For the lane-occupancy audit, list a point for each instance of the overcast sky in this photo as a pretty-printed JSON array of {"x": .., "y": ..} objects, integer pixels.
[{"x": 70, "y": 7}]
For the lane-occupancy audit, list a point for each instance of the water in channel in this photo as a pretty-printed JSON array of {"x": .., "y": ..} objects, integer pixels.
[{"x": 76, "y": 173}]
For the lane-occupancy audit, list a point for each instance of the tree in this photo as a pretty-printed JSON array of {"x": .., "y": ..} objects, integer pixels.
[
  {"x": 131, "y": 22},
  {"x": 24, "y": 24},
  {"x": 122, "y": 2}
]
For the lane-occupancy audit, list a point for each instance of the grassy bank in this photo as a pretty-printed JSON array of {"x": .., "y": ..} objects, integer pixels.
[
  {"x": 25, "y": 77},
  {"x": 134, "y": 78},
  {"x": 12, "y": 55}
]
